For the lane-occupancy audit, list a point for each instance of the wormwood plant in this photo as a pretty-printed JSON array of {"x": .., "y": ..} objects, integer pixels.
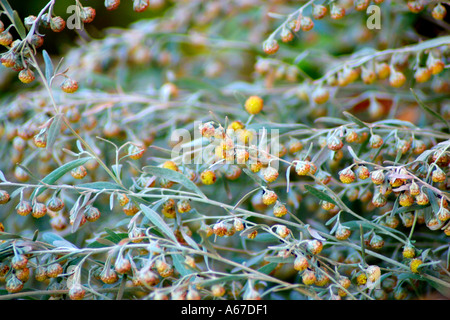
[{"x": 238, "y": 149}]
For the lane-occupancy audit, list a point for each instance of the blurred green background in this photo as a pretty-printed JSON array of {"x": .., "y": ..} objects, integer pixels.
[{"x": 57, "y": 43}]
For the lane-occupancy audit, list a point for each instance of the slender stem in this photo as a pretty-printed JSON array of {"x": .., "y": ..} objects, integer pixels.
[{"x": 66, "y": 122}]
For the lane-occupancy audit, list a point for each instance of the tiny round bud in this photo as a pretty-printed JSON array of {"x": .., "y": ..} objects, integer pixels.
[
  {"x": 376, "y": 242},
  {"x": 269, "y": 197},
  {"x": 148, "y": 277},
  {"x": 40, "y": 274},
  {"x": 351, "y": 136},
  {"x": 308, "y": 277},
  {"x": 87, "y": 14},
  {"x": 327, "y": 205},
  {"x": 207, "y": 130},
  {"x": 23, "y": 274},
  {"x": 220, "y": 229},
  {"x": 140, "y": 5},
  {"x": 409, "y": 252},
  {"x": 218, "y": 290},
  {"x": 361, "y": 278},
  {"x": 4, "y": 197},
  {"x": 345, "y": 283},
  {"x": 438, "y": 175},
  {"x": 24, "y": 208},
  {"x": 208, "y": 177},
  {"x": 112, "y": 4},
  {"x": 254, "y": 105},
  {"x": 183, "y": 206},
  {"x": 136, "y": 152},
  {"x": 320, "y": 95},
  {"x": 396, "y": 79},
  {"x": 342, "y": 233},
  {"x": 302, "y": 168},
  {"x": 373, "y": 273},
  {"x": 362, "y": 172},
  {"x": 319, "y": 11},
  {"x": 314, "y": 246},
  {"x": 6, "y": 38},
  {"x": 422, "y": 199},
  {"x": 347, "y": 175},
  {"x": 39, "y": 210},
  {"x": 270, "y": 46},
  {"x": 164, "y": 269},
  {"x": 92, "y": 214},
  {"x": 69, "y": 85},
  {"x": 301, "y": 263},
  {"x": 334, "y": 143},
  {"x": 122, "y": 265},
  {"x": 282, "y": 231},
  {"x": 255, "y": 166},
  {"x": 55, "y": 204},
  {"x": 19, "y": 261},
  {"x": 443, "y": 214},
  {"x": 79, "y": 172},
  {"x": 439, "y": 12},
  {"x": 26, "y": 76},
  {"x": 422, "y": 75},
  {"x": 286, "y": 35},
  {"x": 54, "y": 270},
  {"x": 377, "y": 177},
  {"x": 415, "y": 264},
  {"x": 337, "y": 12},
  {"x": 361, "y": 5},
  {"x": 123, "y": 199},
  {"x": 279, "y": 210},
  {"x": 415, "y": 6},
  {"x": 77, "y": 292},
  {"x": 306, "y": 23},
  {"x": 414, "y": 189},
  {"x": 392, "y": 222},
  {"x": 57, "y": 24},
  {"x": 13, "y": 284},
  {"x": 383, "y": 70},
  {"x": 270, "y": 174},
  {"x": 109, "y": 276},
  {"x": 130, "y": 209},
  {"x": 375, "y": 141},
  {"x": 379, "y": 200}
]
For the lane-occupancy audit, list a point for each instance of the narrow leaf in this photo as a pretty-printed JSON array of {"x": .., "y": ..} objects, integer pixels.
[
  {"x": 245, "y": 197},
  {"x": 178, "y": 262},
  {"x": 429, "y": 110},
  {"x": 189, "y": 240},
  {"x": 54, "y": 131},
  {"x": 113, "y": 236},
  {"x": 49, "y": 69},
  {"x": 15, "y": 19},
  {"x": 53, "y": 176},
  {"x": 156, "y": 219},
  {"x": 100, "y": 185},
  {"x": 354, "y": 119},
  {"x": 19, "y": 25},
  {"x": 281, "y": 127},
  {"x": 268, "y": 268},
  {"x": 280, "y": 259},
  {"x": 174, "y": 176},
  {"x": 314, "y": 233},
  {"x": 254, "y": 177},
  {"x": 319, "y": 194}
]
